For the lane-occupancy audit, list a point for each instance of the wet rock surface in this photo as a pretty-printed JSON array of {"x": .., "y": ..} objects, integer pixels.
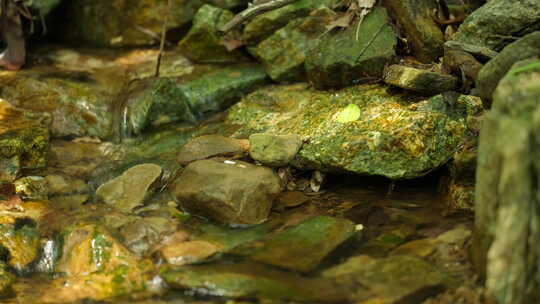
[
  {"x": 199, "y": 181},
  {"x": 232, "y": 192},
  {"x": 365, "y": 143}
]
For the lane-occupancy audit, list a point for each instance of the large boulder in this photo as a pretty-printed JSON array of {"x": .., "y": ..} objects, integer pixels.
[
  {"x": 365, "y": 129},
  {"x": 507, "y": 196},
  {"x": 232, "y": 192}
]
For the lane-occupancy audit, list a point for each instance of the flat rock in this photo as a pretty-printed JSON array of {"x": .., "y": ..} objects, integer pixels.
[
  {"x": 301, "y": 247},
  {"x": 341, "y": 59},
  {"x": 397, "y": 135},
  {"x": 396, "y": 279},
  {"x": 419, "y": 80},
  {"x": 206, "y": 146},
  {"x": 274, "y": 150},
  {"x": 128, "y": 190},
  {"x": 251, "y": 280},
  {"x": 232, "y": 192}
]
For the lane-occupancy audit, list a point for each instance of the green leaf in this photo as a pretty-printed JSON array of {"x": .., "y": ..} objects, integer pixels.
[
  {"x": 349, "y": 113},
  {"x": 531, "y": 66}
]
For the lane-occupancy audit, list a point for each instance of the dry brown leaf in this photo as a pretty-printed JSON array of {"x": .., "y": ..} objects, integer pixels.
[
  {"x": 232, "y": 44},
  {"x": 342, "y": 21}
]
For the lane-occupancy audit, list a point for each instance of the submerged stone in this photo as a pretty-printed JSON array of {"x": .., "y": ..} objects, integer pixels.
[
  {"x": 24, "y": 140},
  {"x": 204, "y": 43},
  {"x": 250, "y": 280},
  {"x": 128, "y": 190},
  {"x": 232, "y": 192},
  {"x": 207, "y": 146},
  {"x": 341, "y": 58},
  {"x": 189, "y": 252},
  {"x": 274, "y": 150},
  {"x": 422, "y": 32},
  {"x": 153, "y": 102},
  {"x": 490, "y": 75},
  {"x": 32, "y": 187},
  {"x": 396, "y": 279},
  {"x": 264, "y": 25},
  {"x": 498, "y": 23},
  {"x": 396, "y": 135},
  {"x": 121, "y": 23},
  {"x": 22, "y": 244},
  {"x": 301, "y": 247},
  {"x": 78, "y": 103},
  {"x": 96, "y": 266},
  {"x": 419, "y": 80},
  {"x": 284, "y": 52}
]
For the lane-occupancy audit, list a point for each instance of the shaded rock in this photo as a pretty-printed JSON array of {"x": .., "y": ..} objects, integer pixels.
[
  {"x": 22, "y": 244},
  {"x": 228, "y": 4},
  {"x": 249, "y": 280},
  {"x": 394, "y": 135},
  {"x": 292, "y": 199},
  {"x": 121, "y": 23},
  {"x": 423, "y": 33},
  {"x": 96, "y": 266},
  {"x": 461, "y": 63},
  {"x": 32, "y": 187},
  {"x": 204, "y": 43},
  {"x": 396, "y": 279},
  {"x": 230, "y": 192},
  {"x": 301, "y": 247},
  {"x": 490, "y": 75},
  {"x": 153, "y": 102},
  {"x": 284, "y": 52},
  {"x": 78, "y": 103},
  {"x": 206, "y": 146},
  {"x": 340, "y": 59},
  {"x": 506, "y": 218},
  {"x": 264, "y": 25},
  {"x": 498, "y": 23},
  {"x": 128, "y": 191},
  {"x": 24, "y": 140},
  {"x": 419, "y": 80},
  {"x": 188, "y": 252},
  {"x": 274, "y": 150}
]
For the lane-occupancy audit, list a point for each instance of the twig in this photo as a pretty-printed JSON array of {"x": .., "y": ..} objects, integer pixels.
[
  {"x": 253, "y": 11},
  {"x": 163, "y": 34}
]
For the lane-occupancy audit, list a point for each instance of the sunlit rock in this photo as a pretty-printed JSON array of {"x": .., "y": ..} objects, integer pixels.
[
  {"x": 24, "y": 140},
  {"x": 396, "y": 135},
  {"x": 419, "y": 80},
  {"x": 96, "y": 266},
  {"x": 22, "y": 243}
]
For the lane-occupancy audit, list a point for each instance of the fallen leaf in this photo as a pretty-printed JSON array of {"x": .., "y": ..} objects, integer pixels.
[{"x": 349, "y": 113}]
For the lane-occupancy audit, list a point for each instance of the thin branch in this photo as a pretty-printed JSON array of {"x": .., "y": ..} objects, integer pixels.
[
  {"x": 252, "y": 11},
  {"x": 163, "y": 34}
]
